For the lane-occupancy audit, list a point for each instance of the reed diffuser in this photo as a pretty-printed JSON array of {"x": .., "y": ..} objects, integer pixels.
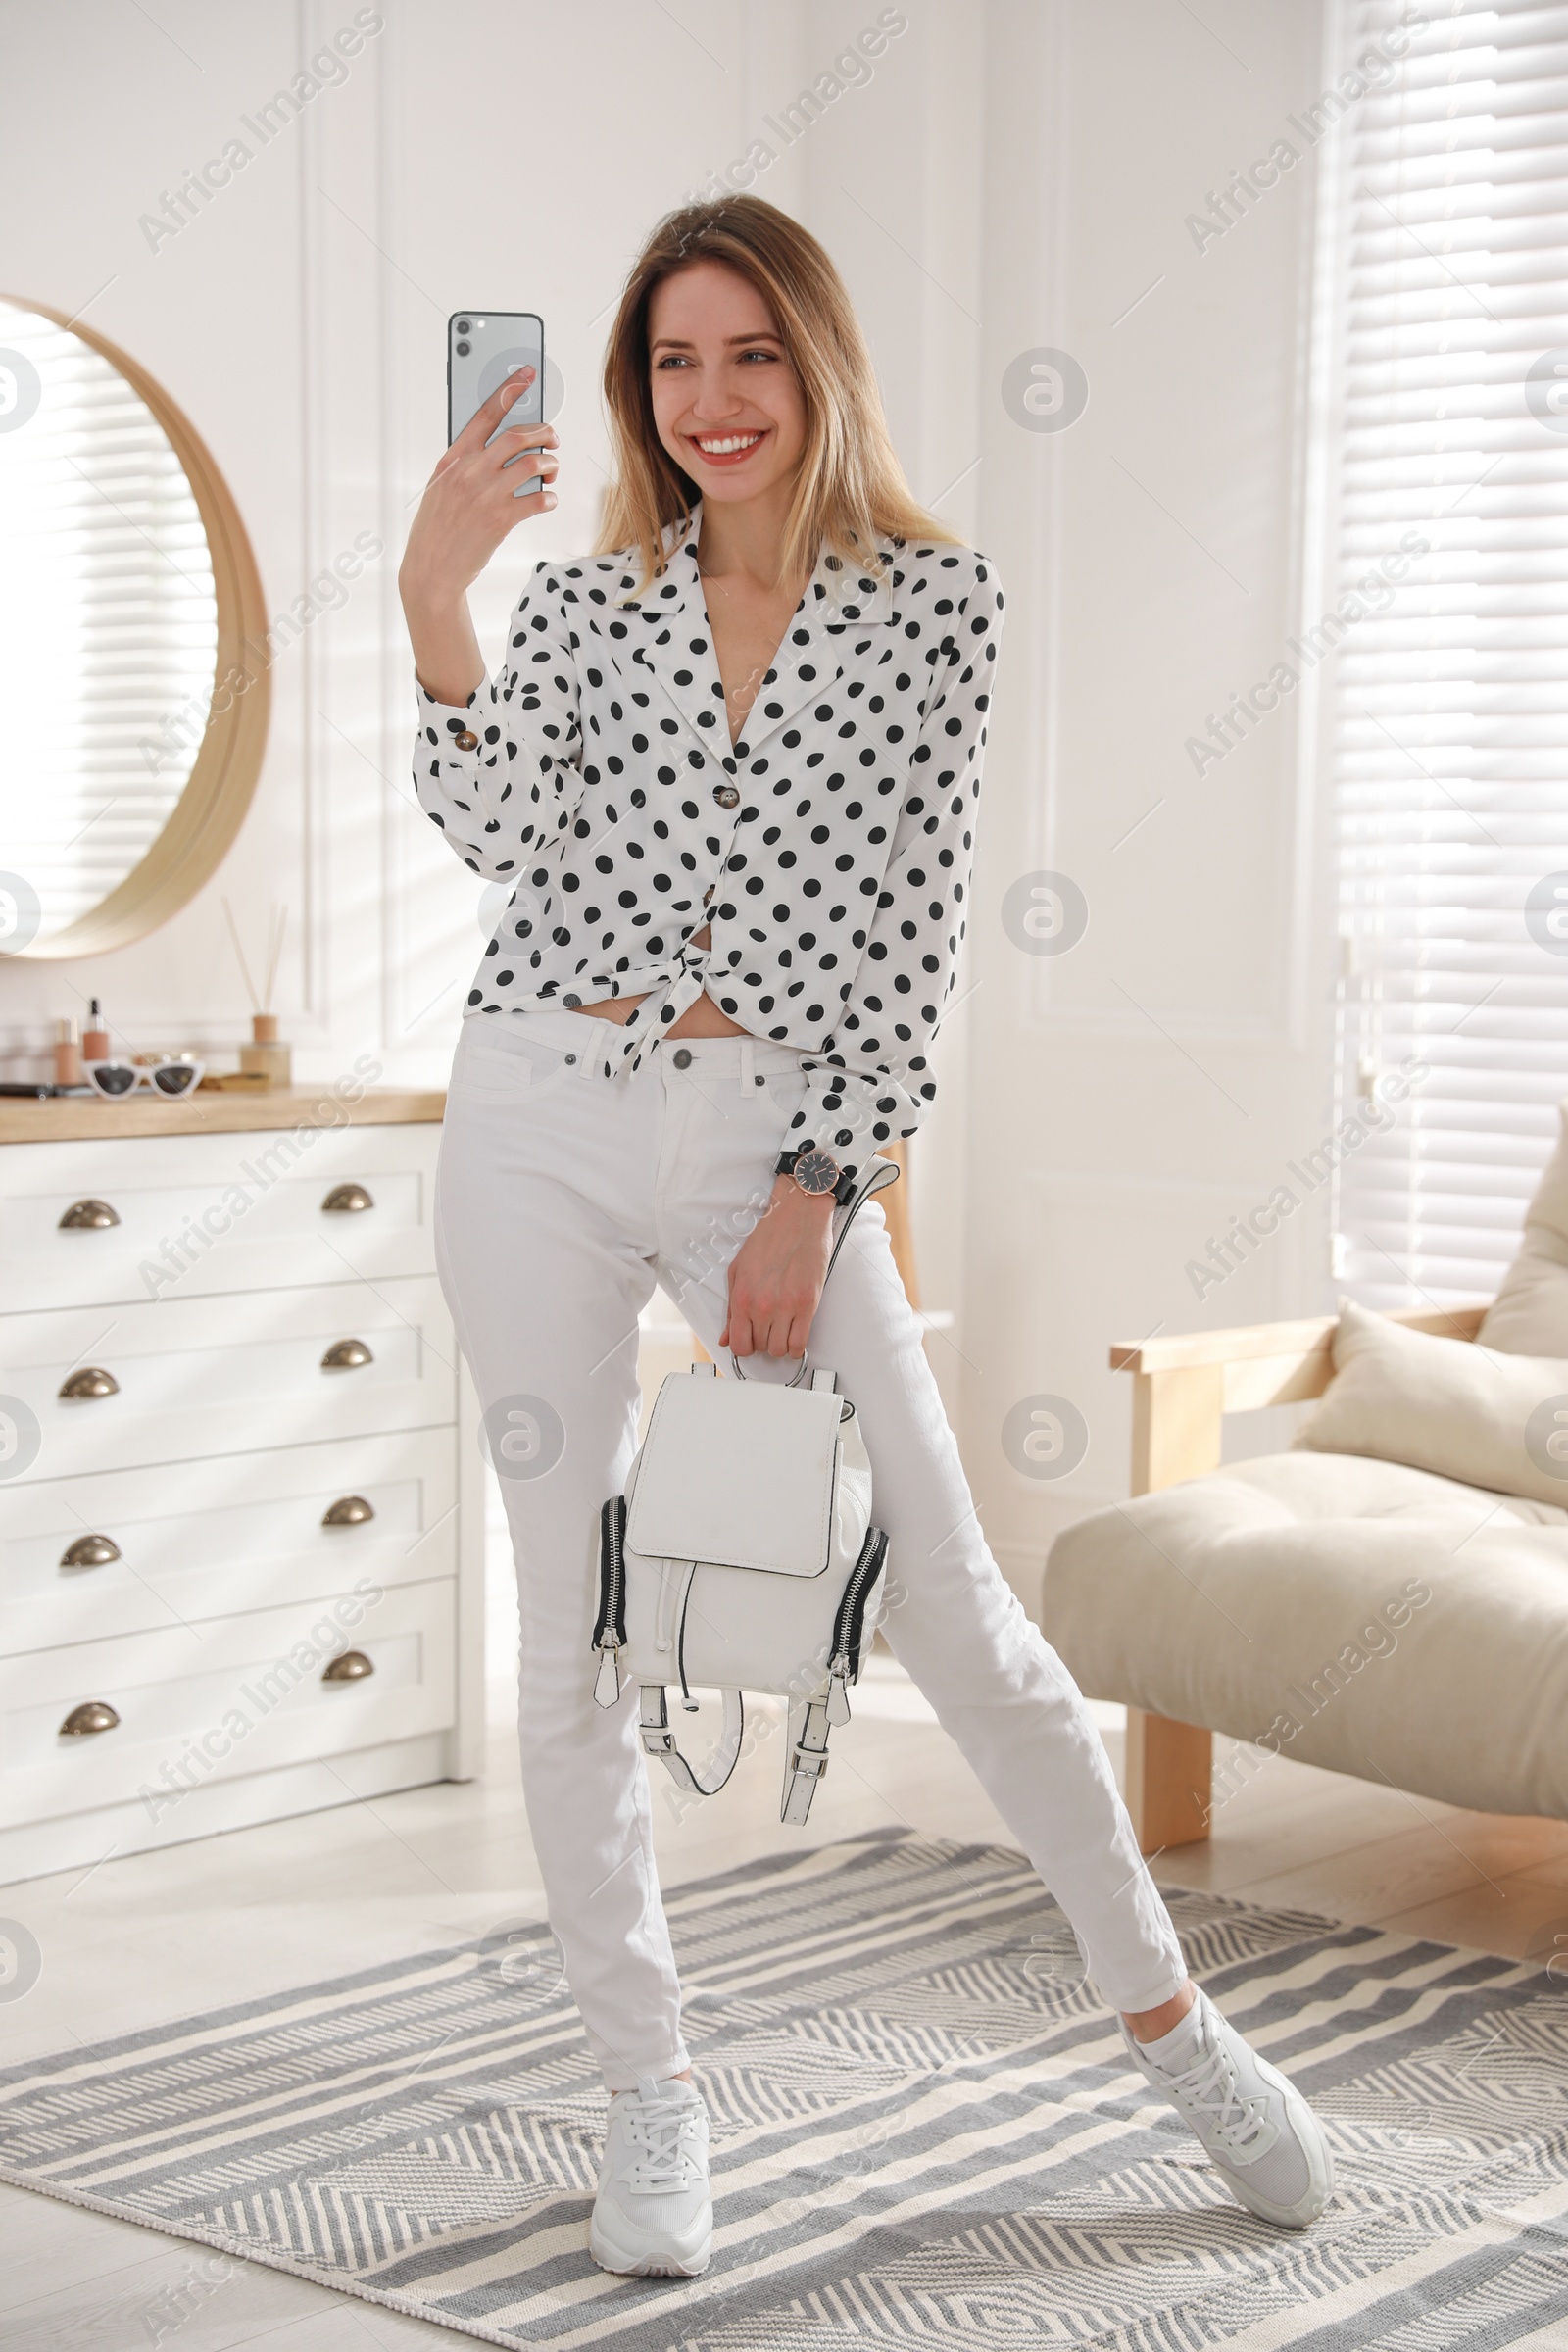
[{"x": 266, "y": 1056}]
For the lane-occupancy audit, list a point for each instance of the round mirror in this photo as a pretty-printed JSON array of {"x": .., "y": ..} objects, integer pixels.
[{"x": 135, "y": 708}]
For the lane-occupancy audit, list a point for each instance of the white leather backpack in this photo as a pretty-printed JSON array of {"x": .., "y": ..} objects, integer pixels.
[{"x": 742, "y": 1557}]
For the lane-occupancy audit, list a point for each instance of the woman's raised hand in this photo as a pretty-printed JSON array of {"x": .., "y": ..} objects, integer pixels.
[{"x": 469, "y": 506}]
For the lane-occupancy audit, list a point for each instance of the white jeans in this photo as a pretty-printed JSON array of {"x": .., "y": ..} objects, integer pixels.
[{"x": 563, "y": 1195}]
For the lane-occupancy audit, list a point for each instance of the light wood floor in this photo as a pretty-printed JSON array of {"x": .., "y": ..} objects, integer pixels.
[{"x": 151, "y": 1938}]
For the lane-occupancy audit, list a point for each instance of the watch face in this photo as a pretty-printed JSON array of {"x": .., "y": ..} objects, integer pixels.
[{"x": 816, "y": 1172}]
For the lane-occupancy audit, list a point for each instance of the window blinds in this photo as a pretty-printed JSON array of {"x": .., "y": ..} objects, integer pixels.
[
  {"x": 108, "y": 620},
  {"x": 1448, "y": 709}
]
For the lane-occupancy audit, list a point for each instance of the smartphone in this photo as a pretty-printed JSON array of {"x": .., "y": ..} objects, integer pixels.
[{"x": 483, "y": 348}]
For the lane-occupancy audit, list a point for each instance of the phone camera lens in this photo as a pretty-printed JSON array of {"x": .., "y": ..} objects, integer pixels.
[
  {"x": 465, "y": 326},
  {"x": 464, "y": 350}
]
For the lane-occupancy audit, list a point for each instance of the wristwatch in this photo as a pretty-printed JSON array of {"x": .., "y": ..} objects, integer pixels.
[{"x": 816, "y": 1173}]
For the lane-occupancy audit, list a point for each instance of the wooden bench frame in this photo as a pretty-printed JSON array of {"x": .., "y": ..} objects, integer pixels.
[{"x": 1182, "y": 1390}]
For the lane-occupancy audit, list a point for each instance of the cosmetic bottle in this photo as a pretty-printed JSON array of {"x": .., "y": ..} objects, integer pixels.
[
  {"x": 95, "y": 1044},
  {"x": 67, "y": 1053}
]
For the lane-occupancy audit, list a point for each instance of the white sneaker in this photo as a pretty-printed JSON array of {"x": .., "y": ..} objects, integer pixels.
[
  {"x": 1265, "y": 2142},
  {"x": 653, "y": 2216}
]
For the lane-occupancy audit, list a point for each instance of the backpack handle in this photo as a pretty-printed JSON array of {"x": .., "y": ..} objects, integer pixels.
[{"x": 874, "y": 1177}]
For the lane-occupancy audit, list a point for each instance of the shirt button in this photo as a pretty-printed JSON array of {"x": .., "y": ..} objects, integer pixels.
[
  {"x": 683, "y": 1059},
  {"x": 570, "y": 1061},
  {"x": 724, "y": 794},
  {"x": 571, "y": 1002},
  {"x": 467, "y": 741}
]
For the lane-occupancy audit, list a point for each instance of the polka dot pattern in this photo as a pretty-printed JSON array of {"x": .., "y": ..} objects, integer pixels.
[{"x": 830, "y": 848}]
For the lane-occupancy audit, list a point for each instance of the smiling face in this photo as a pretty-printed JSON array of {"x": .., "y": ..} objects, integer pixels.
[{"x": 727, "y": 403}]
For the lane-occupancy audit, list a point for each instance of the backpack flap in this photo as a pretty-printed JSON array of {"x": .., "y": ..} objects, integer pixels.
[{"x": 740, "y": 1473}]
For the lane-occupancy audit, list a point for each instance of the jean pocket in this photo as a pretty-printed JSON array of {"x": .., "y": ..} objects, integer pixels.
[
  {"x": 782, "y": 1091},
  {"x": 495, "y": 1066}
]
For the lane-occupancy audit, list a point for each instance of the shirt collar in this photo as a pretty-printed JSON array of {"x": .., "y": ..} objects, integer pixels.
[
  {"x": 675, "y": 643},
  {"x": 836, "y": 596}
]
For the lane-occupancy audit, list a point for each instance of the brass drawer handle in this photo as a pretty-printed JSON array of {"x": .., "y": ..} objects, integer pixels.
[
  {"x": 90, "y": 1552},
  {"x": 87, "y": 1217},
  {"x": 93, "y": 1715},
  {"x": 92, "y": 1381},
  {"x": 352, "y": 1667},
  {"x": 346, "y": 1199},
  {"x": 348, "y": 1510},
  {"x": 346, "y": 1355}
]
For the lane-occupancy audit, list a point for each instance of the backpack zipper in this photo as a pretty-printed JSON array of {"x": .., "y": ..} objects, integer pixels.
[
  {"x": 844, "y": 1666},
  {"x": 611, "y": 1631}
]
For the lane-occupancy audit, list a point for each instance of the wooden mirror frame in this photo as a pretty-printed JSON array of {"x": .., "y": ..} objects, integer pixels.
[{"x": 204, "y": 821}]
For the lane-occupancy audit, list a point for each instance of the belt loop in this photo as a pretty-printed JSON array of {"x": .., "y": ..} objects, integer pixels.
[{"x": 748, "y": 1064}]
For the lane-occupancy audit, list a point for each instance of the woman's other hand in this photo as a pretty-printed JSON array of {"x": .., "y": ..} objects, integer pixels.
[
  {"x": 776, "y": 1276},
  {"x": 469, "y": 506}
]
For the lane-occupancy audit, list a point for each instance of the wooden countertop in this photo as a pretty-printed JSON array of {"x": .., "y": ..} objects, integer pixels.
[{"x": 76, "y": 1118}]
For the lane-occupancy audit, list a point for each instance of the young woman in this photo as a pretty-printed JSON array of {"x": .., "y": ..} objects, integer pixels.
[{"x": 728, "y": 768}]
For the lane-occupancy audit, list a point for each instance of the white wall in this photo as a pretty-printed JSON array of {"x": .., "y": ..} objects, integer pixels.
[
  {"x": 1128, "y": 1097},
  {"x": 1013, "y": 174}
]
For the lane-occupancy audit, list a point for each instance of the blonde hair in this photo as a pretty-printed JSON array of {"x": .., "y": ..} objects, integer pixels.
[{"x": 849, "y": 489}]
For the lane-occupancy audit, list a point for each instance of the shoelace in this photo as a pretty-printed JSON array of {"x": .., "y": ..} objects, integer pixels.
[
  {"x": 1210, "y": 2086},
  {"x": 663, "y": 2160}
]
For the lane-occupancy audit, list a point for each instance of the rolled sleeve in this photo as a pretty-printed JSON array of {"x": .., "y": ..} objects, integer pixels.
[{"x": 500, "y": 774}]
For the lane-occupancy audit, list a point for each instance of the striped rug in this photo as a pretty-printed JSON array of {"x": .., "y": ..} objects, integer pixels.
[{"x": 924, "y": 2130}]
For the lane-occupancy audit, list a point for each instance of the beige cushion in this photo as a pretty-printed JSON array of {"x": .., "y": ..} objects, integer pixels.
[
  {"x": 1453, "y": 1407},
  {"x": 1530, "y": 1313},
  {"x": 1287, "y": 1593}
]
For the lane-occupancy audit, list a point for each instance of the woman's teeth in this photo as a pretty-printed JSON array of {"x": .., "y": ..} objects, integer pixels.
[{"x": 714, "y": 448}]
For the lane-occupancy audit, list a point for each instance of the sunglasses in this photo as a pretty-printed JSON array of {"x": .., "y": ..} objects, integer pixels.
[{"x": 116, "y": 1078}]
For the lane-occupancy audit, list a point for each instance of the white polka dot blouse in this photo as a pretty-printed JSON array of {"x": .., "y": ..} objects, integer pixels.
[{"x": 830, "y": 848}]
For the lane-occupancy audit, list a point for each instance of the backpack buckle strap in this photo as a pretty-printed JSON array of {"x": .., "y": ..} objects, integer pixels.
[
  {"x": 653, "y": 1724},
  {"x": 659, "y": 1739},
  {"x": 805, "y": 1764}
]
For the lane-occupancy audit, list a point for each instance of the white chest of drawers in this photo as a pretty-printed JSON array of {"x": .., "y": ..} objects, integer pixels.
[{"x": 241, "y": 1505}]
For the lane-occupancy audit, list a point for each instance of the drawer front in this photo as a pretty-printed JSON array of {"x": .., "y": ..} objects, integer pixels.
[
  {"x": 224, "y": 1537},
  {"x": 202, "y": 1213},
  {"x": 237, "y": 1374},
  {"x": 212, "y": 1700}
]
